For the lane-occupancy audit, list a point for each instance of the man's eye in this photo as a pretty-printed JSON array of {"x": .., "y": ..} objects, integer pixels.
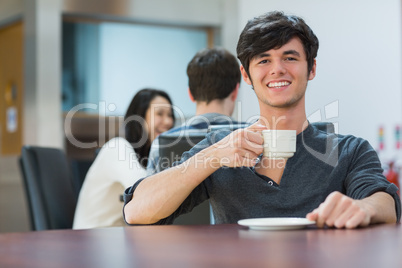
[
  {"x": 290, "y": 59},
  {"x": 263, "y": 61}
]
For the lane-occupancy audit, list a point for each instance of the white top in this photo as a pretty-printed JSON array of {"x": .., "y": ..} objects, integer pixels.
[{"x": 115, "y": 168}]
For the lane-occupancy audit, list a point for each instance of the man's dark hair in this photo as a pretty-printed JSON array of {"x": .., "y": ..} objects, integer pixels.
[
  {"x": 272, "y": 30},
  {"x": 213, "y": 74}
]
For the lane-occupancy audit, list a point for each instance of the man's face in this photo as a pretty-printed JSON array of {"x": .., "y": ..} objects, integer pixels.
[{"x": 279, "y": 76}]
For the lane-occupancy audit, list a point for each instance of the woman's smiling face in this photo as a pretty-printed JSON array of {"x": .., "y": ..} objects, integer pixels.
[{"x": 158, "y": 117}]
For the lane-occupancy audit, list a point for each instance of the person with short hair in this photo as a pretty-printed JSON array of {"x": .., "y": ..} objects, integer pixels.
[
  {"x": 213, "y": 79},
  {"x": 334, "y": 180}
]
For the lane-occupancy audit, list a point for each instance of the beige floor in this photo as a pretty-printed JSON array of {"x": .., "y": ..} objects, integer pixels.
[{"x": 13, "y": 206}]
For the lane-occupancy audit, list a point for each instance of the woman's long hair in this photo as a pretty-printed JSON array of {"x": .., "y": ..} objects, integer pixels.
[{"x": 135, "y": 130}]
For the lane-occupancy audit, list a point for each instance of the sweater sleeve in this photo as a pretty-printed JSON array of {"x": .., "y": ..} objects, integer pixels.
[
  {"x": 365, "y": 175},
  {"x": 198, "y": 195}
]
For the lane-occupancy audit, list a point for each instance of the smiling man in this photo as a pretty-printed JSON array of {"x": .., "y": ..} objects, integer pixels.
[
  {"x": 280, "y": 76},
  {"x": 341, "y": 185}
]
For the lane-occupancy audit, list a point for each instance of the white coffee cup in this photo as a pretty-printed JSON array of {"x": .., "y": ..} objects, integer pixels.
[{"x": 279, "y": 144}]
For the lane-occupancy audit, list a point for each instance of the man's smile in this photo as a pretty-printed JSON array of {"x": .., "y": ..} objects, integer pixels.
[{"x": 278, "y": 84}]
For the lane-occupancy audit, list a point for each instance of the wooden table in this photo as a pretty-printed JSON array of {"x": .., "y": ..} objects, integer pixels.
[{"x": 203, "y": 246}]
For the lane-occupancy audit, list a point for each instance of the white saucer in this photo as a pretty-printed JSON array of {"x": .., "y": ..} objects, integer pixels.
[{"x": 276, "y": 223}]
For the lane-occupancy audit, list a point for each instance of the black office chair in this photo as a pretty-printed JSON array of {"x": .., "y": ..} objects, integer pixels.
[
  {"x": 171, "y": 147},
  {"x": 79, "y": 169},
  {"x": 48, "y": 186}
]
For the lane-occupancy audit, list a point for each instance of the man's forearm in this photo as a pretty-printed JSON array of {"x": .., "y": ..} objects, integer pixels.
[
  {"x": 158, "y": 196},
  {"x": 383, "y": 207}
]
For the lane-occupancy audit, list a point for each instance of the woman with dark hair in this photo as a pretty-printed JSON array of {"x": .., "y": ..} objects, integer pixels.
[
  {"x": 122, "y": 161},
  {"x": 142, "y": 126}
]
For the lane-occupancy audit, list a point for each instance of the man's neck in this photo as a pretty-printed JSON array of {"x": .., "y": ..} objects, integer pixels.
[
  {"x": 215, "y": 106},
  {"x": 284, "y": 118}
]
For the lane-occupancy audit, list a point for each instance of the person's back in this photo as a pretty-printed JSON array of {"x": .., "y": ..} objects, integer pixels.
[
  {"x": 214, "y": 78},
  {"x": 117, "y": 160}
]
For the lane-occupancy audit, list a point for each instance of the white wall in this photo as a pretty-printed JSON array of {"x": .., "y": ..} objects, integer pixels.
[
  {"x": 42, "y": 67},
  {"x": 358, "y": 64},
  {"x": 185, "y": 12},
  {"x": 134, "y": 56}
]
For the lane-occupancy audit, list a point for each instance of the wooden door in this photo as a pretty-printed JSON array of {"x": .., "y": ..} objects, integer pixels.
[{"x": 11, "y": 89}]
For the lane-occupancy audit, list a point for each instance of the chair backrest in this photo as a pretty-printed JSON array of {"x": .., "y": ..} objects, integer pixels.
[
  {"x": 79, "y": 169},
  {"x": 49, "y": 188},
  {"x": 173, "y": 145}
]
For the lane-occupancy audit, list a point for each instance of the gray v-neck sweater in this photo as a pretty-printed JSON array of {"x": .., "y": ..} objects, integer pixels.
[{"x": 323, "y": 163}]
